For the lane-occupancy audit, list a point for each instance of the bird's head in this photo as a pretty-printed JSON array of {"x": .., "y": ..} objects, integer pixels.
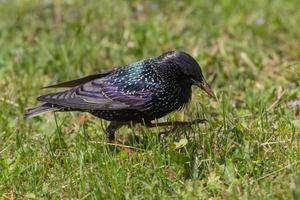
[{"x": 189, "y": 68}]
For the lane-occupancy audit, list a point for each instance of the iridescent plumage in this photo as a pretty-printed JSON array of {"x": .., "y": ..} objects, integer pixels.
[{"x": 138, "y": 92}]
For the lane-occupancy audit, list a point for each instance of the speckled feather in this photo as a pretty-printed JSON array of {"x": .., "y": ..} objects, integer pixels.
[{"x": 143, "y": 90}]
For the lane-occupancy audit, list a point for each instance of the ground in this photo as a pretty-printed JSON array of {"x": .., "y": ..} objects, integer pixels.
[{"x": 249, "y": 148}]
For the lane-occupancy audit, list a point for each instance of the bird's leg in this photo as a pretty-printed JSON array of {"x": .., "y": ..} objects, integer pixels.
[
  {"x": 111, "y": 129},
  {"x": 110, "y": 134},
  {"x": 175, "y": 124}
]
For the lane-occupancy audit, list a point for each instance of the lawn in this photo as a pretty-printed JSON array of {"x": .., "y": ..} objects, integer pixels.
[{"x": 249, "y": 148}]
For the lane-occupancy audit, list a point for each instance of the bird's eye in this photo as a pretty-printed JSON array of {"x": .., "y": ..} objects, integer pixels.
[{"x": 191, "y": 76}]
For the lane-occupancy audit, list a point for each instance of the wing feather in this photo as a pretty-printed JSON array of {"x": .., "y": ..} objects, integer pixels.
[{"x": 100, "y": 96}]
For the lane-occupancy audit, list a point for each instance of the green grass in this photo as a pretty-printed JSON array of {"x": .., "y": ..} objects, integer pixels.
[{"x": 248, "y": 50}]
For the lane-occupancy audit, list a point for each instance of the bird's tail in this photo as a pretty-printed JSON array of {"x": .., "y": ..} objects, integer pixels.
[{"x": 40, "y": 109}]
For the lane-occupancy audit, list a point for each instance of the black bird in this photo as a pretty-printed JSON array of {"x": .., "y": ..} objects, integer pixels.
[{"x": 138, "y": 92}]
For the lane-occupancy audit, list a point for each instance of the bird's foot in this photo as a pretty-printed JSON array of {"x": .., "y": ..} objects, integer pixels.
[
  {"x": 110, "y": 135},
  {"x": 176, "y": 124},
  {"x": 129, "y": 149}
]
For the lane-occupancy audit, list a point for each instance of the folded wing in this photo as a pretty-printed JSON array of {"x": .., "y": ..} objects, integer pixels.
[{"x": 98, "y": 94}]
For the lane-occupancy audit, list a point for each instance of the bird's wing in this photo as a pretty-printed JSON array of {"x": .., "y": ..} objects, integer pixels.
[
  {"x": 74, "y": 83},
  {"x": 99, "y": 95}
]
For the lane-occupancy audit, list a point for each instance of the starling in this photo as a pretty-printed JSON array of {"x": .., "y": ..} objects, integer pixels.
[{"x": 139, "y": 92}]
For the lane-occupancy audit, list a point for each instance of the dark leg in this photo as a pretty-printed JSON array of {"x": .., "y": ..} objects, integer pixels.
[
  {"x": 111, "y": 129},
  {"x": 175, "y": 124},
  {"x": 110, "y": 134}
]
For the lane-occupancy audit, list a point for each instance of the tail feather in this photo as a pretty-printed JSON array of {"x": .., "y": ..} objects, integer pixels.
[{"x": 40, "y": 109}]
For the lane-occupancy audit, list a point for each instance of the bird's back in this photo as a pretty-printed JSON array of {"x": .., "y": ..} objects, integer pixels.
[{"x": 140, "y": 76}]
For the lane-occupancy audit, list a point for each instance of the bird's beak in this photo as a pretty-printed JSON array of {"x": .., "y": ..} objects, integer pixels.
[{"x": 206, "y": 87}]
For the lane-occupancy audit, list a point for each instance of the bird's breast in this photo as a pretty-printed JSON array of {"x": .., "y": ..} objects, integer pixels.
[{"x": 169, "y": 99}]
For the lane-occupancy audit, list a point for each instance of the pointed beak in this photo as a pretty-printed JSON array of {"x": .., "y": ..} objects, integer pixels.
[{"x": 206, "y": 87}]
